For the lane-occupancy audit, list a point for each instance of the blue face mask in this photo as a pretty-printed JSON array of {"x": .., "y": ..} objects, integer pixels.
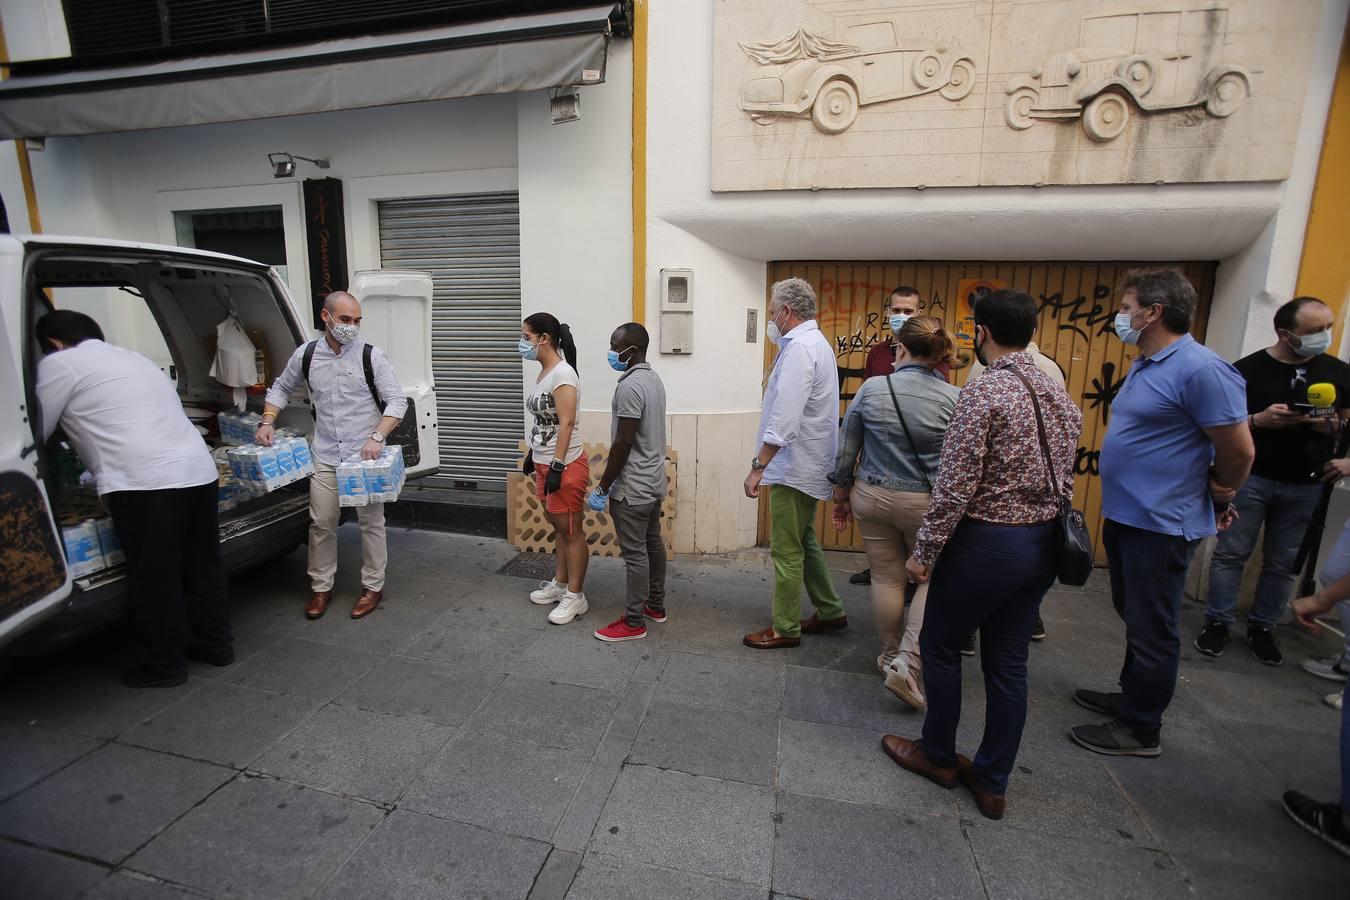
[
  {"x": 527, "y": 350},
  {"x": 897, "y": 322},
  {"x": 1125, "y": 329},
  {"x": 617, "y": 364}
]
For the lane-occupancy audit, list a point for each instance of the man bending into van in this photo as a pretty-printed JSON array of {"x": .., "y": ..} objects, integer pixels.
[
  {"x": 157, "y": 480},
  {"x": 347, "y": 423}
]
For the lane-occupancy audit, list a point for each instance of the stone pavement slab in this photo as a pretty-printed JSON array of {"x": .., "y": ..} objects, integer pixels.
[
  {"x": 307, "y": 668},
  {"x": 259, "y": 837},
  {"x": 407, "y": 686},
  {"x": 611, "y": 878},
  {"x": 830, "y": 850},
  {"x": 842, "y": 698},
  {"x": 467, "y": 647},
  {"x": 736, "y": 746},
  {"x": 29, "y": 872},
  {"x": 110, "y": 802},
  {"x": 712, "y": 827},
  {"x": 732, "y": 685},
  {"x": 546, "y": 713},
  {"x": 356, "y": 752},
  {"x": 499, "y": 783},
  {"x": 82, "y": 696},
  {"x": 417, "y": 857},
  {"x": 126, "y": 885},
  {"x": 223, "y": 723},
  {"x": 31, "y": 753},
  {"x": 570, "y": 654}
]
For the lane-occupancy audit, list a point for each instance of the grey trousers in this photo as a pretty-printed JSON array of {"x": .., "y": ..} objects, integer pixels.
[{"x": 644, "y": 555}]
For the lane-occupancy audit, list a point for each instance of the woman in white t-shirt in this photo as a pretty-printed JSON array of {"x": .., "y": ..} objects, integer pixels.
[{"x": 556, "y": 459}]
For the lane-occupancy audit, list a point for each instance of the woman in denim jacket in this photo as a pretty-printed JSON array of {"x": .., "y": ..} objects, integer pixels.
[{"x": 897, "y": 423}]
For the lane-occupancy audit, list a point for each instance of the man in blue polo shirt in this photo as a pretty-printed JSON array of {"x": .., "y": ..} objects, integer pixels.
[{"x": 1177, "y": 449}]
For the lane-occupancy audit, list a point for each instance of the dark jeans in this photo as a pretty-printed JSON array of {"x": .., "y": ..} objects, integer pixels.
[
  {"x": 1148, "y": 579},
  {"x": 174, "y": 572},
  {"x": 991, "y": 578},
  {"x": 638, "y": 527}
]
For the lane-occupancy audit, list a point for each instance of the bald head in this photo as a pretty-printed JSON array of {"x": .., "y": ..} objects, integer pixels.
[{"x": 340, "y": 301}]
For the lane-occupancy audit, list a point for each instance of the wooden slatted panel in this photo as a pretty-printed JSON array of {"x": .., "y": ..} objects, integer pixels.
[{"x": 1077, "y": 303}]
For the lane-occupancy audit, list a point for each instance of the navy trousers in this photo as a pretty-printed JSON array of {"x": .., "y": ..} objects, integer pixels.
[
  {"x": 1148, "y": 579},
  {"x": 990, "y": 577}
]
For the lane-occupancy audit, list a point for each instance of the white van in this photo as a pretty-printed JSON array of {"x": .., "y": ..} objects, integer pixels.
[{"x": 187, "y": 292}]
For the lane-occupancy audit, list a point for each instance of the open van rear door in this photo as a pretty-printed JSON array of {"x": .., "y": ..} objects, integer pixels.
[
  {"x": 396, "y": 317},
  {"x": 34, "y": 580}
]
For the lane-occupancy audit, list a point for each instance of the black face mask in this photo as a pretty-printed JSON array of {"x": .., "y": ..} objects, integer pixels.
[{"x": 979, "y": 350}]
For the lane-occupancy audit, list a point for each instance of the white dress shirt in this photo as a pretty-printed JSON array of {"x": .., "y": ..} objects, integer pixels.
[
  {"x": 125, "y": 418},
  {"x": 345, "y": 413},
  {"x": 801, "y": 412}
]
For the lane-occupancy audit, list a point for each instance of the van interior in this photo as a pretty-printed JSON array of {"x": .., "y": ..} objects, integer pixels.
[{"x": 187, "y": 301}]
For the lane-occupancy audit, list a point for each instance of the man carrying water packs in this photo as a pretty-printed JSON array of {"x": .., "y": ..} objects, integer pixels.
[{"x": 347, "y": 423}]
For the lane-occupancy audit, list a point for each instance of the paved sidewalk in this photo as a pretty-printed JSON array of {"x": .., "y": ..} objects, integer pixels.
[{"x": 454, "y": 744}]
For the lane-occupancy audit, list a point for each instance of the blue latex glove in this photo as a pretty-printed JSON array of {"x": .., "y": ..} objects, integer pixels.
[{"x": 598, "y": 500}]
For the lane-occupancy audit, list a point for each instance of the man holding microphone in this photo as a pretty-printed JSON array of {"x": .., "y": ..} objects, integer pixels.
[
  {"x": 1297, "y": 397},
  {"x": 347, "y": 422}
]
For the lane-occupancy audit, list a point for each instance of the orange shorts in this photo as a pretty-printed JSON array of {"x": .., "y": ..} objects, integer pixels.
[{"x": 572, "y": 496}]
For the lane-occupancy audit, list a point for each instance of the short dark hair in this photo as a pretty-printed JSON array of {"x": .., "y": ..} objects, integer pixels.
[
  {"x": 904, "y": 290},
  {"x": 1286, "y": 317},
  {"x": 634, "y": 335},
  {"x": 67, "y": 326},
  {"x": 1009, "y": 315},
  {"x": 1169, "y": 289}
]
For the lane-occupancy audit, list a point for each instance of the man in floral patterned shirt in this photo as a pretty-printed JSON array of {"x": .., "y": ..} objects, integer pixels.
[{"x": 988, "y": 542}]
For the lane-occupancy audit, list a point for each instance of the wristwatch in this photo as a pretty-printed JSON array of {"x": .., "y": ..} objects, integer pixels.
[
  {"x": 377, "y": 438},
  {"x": 756, "y": 465}
]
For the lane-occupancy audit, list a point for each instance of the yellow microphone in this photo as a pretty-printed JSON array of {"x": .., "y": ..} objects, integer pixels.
[{"x": 1321, "y": 399}]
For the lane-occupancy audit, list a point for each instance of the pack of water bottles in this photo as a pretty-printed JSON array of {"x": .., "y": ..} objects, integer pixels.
[
  {"x": 361, "y": 482},
  {"x": 237, "y": 426},
  {"x": 91, "y": 546},
  {"x": 259, "y": 470}
]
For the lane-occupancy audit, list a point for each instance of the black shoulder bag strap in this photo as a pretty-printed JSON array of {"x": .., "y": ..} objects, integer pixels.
[
  {"x": 923, "y": 470},
  {"x": 366, "y": 352},
  {"x": 1060, "y": 501},
  {"x": 305, "y": 362}
]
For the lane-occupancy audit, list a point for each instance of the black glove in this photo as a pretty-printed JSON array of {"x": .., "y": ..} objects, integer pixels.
[
  {"x": 553, "y": 480},
  {"x": 527, "y": 465}
]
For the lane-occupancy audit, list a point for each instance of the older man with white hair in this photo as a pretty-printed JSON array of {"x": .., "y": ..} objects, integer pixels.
[{"x": 798, "y": 436}]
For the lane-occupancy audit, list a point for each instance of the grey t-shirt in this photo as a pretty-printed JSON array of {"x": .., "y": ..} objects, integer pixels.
[{"x": 641, "y": 395}]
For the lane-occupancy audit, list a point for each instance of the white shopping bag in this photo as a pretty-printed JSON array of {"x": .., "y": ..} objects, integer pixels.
[{"x": 236, "y": 362}]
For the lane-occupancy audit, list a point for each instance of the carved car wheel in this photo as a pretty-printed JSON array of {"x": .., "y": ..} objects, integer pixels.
[
  {"x": 960, "y": 81},
  {"x": 1105, "y": 118},
  {"x": 836, "y": 107},
  {"x": 927, "y": 70},
  {"x": 1226, "y": 95},
  {"x": 761, "y": 119},
  {"x": 1018, "y": 111}
]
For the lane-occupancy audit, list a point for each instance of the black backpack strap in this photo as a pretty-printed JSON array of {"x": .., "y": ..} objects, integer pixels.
[
  {"x": 366, "y": 353},
  {"x": 306, "y": 361}
]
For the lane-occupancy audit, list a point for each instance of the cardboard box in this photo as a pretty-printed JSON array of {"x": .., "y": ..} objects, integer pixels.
[
  {"x": 109, "y": 543},
  {"x": 83, "y": 554}
]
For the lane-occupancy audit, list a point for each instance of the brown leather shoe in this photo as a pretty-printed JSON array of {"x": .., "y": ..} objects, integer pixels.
[
  {"x": 991, "y": 805},
  {"x": 909, "y": 755},
  {"x": 366, "y": 603},
  {"x": 318, "y": 604},
  {"x": 815, "y": 625},
  {"x": 767, "y": 640}
]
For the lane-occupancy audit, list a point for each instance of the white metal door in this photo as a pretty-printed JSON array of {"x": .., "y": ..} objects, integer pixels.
[{"x": 470, "y": 243}]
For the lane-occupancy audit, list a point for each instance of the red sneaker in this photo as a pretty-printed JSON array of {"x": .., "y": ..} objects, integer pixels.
[
  {"x": 653, "y": 614},
  {"x": 620, "y": 630}
]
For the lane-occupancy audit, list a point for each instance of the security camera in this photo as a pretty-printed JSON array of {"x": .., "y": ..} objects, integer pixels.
[
  {"x": 283, "y": 168},
  {"x": 283, "y": 164}
]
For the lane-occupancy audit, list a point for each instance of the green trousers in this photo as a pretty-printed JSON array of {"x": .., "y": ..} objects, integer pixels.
[{"x": 797, "y": 559}]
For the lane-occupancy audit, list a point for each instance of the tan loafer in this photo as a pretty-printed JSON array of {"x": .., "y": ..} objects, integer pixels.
[
  {"x": 318, "y": 604},
  {"x": 817, "y": 625},
  {"x": 768, "y": 640},
  {"x": 366, "y": 603},
  {"x": 991, "y": 805},
  {"x": 910, "y": 756}
]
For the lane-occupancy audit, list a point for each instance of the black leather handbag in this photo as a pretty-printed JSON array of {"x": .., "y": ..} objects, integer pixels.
[{"x": 1073, "y": 544}]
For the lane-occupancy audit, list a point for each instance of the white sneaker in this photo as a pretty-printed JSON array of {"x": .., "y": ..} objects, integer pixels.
[
  {"x": 1332, "y": 668},
  {"x": 571, "y": 606},
  {"x": 1335, "y": 701},
  {"x": 549, "y": 592}
]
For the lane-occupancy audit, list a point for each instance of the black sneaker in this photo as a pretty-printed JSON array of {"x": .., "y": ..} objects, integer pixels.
[
  {"x": 1265, "y": 646},
  {"x": 1213, "y": 639},
  {"x": 1323, "y": 820},
  {"x": 1115, "y": 739},
  {"x": 1038, "y": 633},
  {"x": 142, "y": 677},
  {"x": 971, "y": 640},
  {"x": 863, "y": 577},
  {"x": 1107, "y": 704}
]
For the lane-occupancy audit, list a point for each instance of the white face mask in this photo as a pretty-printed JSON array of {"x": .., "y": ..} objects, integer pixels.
[
  {"x": 1313, "y": 344},
  {"x": 773, "y": 333},
  {"x": 344, "y": 333}
]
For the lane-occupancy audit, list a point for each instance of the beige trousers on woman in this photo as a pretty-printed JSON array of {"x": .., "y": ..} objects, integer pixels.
[{"x": 889, "y": 521}]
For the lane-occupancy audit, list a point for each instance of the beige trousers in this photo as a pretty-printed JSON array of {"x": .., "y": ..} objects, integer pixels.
[
  {"x": 889, "y": 521},
  {"x": 323, "y": 524}
]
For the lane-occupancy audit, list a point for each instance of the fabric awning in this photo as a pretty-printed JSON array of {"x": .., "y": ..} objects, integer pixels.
[{"x": 498, "y": 56}]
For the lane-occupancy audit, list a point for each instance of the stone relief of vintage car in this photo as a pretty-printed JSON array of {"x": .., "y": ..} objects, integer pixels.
[
  {"x": 804, "y": 74},
  {"x": 1153, "y": 61}
]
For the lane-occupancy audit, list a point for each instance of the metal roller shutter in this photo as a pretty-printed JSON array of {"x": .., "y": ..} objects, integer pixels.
[{"x": 470, "y": 243}]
